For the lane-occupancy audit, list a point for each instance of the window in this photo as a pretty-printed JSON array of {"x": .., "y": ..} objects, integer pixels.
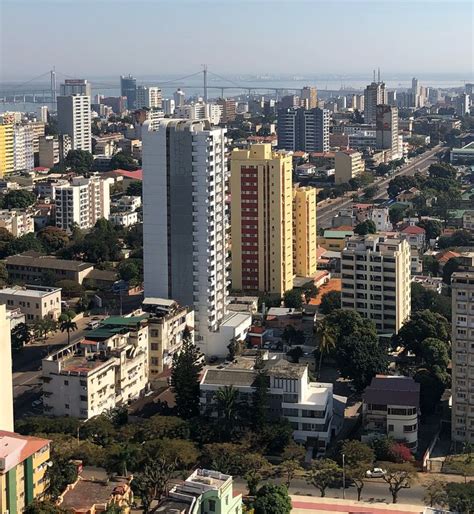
[
  {"x": 390, "y": 428},
  {"x": 212, "y": 505},
  {"x": 66, "y": 382},
  {"x": 154, "y": 347},
  {"x": 66, "y": 405}
]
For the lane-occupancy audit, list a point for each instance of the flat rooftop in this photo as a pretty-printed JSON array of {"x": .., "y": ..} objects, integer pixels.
[
  {"x": 80, "y": 364},
  {"x": 38, "y": 260},
  {"x": 87, "y": 493},
  {"x": 30, "y": 291}
]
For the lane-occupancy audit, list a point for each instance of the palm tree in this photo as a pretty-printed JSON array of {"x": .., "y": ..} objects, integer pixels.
[
  {"x": 227, "y": 398},
  {"x": 326, "y": 338},
  {"x": 67, "y": 325}
]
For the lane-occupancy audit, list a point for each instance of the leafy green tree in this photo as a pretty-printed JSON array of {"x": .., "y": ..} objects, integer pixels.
[
  {"x": 401, "y": 183},
  {"x": 256, "y": 468},
  {"x": 432, "y": 386},
  {"x": 433, "y": 228},
  {"x": 226, "y": 457},
  {"x": 227, "y": 407},
  {"x": 435, "y": 493},
  {"x": 5, "y": 238},
  {"x": 20, "y": 336},
  {"x": 398, "y": 477},
  {"x": 360, "y": 358},
  {"x": 151, "y": 484},
  {"x": 366, "y": 227},
  {"x": 66, "y": 324},
  {"x": 18, "y": 199},
  {"x": 442, "y": 170},
  {"x": 397, "y": 212},
  {"x": 60, "y": 474},
  {"x": 358, "y": 458},
  {"x": 460, "y": 497},
  {"x": 434, "y": 352},
  {"x": 260, "y": 399},
  {"x": 122, "y": 458},
  {"x": 274, "y": 437},
  {"x": 53, "y": 238},
  {"x": 235, "y": 348},
  {"x": 70, "y": 287},
  {"x": 423, "y": 298},
  {"x": 79, "y": 160},
  {"x": 322, "y": 474},
  {"x": 24, "y": 243},
  {"x": 135, "y": 188},
  {"x": 449, "y": 268},
  {"x": 330, "y": 301},
  {"x": 42, "y": 327},
  {"x": 457, "y": 238},
  {"x": 292, "y": 299},
  {"x": 344, "y": 323},
  {"x": 288, "y": 469},
  {"x": 423, "y": 324},
  {"x": 430, "y": 265},
  {"x": 326, "y": 338},
  {"x": 185, "y": 378},
  {"x": 370, "y": 192},
  {"x": 382, "y": 446},
  {"x": 44, "y": 507},
  {"x": 180, "y": 451},
  {"x": 272, "y": 499},
  {"x": 123, "y": 162},
  {"x": 129, "y": 271}
]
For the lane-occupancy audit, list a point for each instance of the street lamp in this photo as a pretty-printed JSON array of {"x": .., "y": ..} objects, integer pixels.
[{"x": 343, "y": 476}]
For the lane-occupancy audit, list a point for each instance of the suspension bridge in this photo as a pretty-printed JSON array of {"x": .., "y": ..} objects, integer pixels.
[{"x": 39, "y": 90}]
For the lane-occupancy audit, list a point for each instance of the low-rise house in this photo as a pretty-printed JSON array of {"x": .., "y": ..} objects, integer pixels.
[
  {"x": 23, "y": 464},
  {"x": 415, "y": 236},
  {"x": 281, "y": 317},
  {"x": 29, "y": 267},
  {"x": 167, "y": 323},
  {"x": 335, "y": 239},
  {"x": 91, "y": 376},
  {"x": 94, "y": 496},
  {"x": 408, "y": 195},
  {"x": 17, "y": 222},
  {"x": 124, "y": 218},
  {"x": 468, "y": 220},
  {"x": 391, "y": 407},
  {"x": 243, "y": 304},
  {"x": 36, "y": 302},
  {"x": 203, "y": 492},
  {"x": 428, "y": 282},
  {"x": 311, "y": 407}
]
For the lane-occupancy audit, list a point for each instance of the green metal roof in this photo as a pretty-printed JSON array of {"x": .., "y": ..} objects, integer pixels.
[
  {"x": 104, "y": 332},
  {"x": 338, "y": 234},
  {"x": 122, "y": 321}
]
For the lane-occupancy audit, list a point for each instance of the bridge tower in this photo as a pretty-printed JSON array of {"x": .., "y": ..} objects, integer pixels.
[{"x": 53, "y": 85}]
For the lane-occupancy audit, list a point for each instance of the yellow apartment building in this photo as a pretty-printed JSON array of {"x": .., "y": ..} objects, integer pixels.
[
  {"x": 304, "y": 231},
  {"x": 6, "y": 149}
]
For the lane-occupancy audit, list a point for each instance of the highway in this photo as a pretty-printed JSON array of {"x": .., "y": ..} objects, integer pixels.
[{"x": 326, "y": 212}]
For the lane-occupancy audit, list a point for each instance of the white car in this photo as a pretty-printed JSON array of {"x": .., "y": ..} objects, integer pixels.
[{"x": 375, "y": 473}]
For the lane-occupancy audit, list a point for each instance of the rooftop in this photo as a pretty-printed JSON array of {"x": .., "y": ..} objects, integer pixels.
[
  {"x": 413, "y": 229},
  {"x": 15, "y": 448},
  {"x": 135, "y": 175},
  {"x": 38, "y": 260},
  {"x": 223, "y": 377},
  {"x": 30, "y": 291},
  {"x": 393, "y": 390},
  {"x": 284, "y": 369}
]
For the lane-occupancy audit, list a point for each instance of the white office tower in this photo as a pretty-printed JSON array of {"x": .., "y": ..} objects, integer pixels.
[
  {"x": 168, "y": 106},
  {"x": 75, "y": 87},
  {"x": 179, "y": 98},
  {"x": 374, "y": 94},
  {"x": 185, "y": 226},
  {"x": 83, "y": 201},
  {"x": 149, "y": 97},
  {"x": 42, "y": 113},
  {"x": 23, "y": 147},
  {"x": 74, "y": 119},
  {"x": 6, "y": 394}
]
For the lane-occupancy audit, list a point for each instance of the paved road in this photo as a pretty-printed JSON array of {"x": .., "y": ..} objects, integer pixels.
[{"x": 327, "y": 211}]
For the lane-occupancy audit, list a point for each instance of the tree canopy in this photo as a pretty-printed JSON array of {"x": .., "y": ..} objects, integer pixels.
[
  {"x": 366, "y": 227},
  {"x": 18, "y": 199},
  {"x": 79, "y": 160},
  {"x": 272, "y": 499}
]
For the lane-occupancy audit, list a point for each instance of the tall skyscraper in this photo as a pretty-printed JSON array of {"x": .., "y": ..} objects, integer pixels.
[
  {"x": 462, "y": 425},
  {"x": 6, "y": 393},
  {"x": 74, "y": 119},
  {"x": 179, "y": 98},
  {"x": 262, "y": 220},
  {"x": 42, "y": 113},
  {"x": 302, "y": 129},
  {"x": 309, "y": 97},
  {"x": 128, "y": 88},
  {"x": 386, "y": 125},
  {"x": 149, "y": 97},
  {"x": 75, "y": 87},
  {"x": 415, "y": 86},
  {"x": 7, "y": 157},
  {"x": 184, "y": 221},
  {"x": 374, "y": 95},
  {"x": 376, "y": 280},
  {"x": 304, "y": 231}
]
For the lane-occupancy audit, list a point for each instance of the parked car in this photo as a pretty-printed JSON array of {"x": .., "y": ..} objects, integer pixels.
[{"x": 375, "y": 473}]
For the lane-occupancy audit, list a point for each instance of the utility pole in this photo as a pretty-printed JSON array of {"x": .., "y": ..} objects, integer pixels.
[
  {"x": 343, "y": 476},
  {"x": 53, "y": 85},
  {"x": 204, "y": 72}
]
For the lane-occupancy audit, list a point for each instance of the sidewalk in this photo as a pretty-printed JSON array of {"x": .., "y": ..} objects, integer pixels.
[{"x": 306, "y": 504}]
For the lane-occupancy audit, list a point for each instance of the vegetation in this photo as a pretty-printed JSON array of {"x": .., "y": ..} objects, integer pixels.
[
  {"x": 330, "y": 301},
  {"x": 66, "y": 324},
  {"x": 293, "y": 299},
  {"x": 358, "y": 458},
  {"x": 135, "y": 188},
  {"x": 365, "y": 227},
  {"x": 398, "y": 477},
  {"x": 272, "y": 499},
  {"x": 322, "y": 474},
  {"x": 123, "y": 161},
  {"x": 18, "y": 199},
  {"x": 79, "y": 160}
]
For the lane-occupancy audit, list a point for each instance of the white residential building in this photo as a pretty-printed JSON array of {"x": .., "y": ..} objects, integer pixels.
[
  {"x": 462, "y": 424},
  {"x": 309, "y": 406},
  {"x": 149, "y": 97},
  {"x": 381, "y": 218},
  {"x": 168, "y": 106},
  {"x": 82, "y": 201},
  {"x": 124, "y": 218},
  {"x": 179, "y": 98},
  {"x": 6, "y": 391},
  {"x": 42, "y": 113},
  {"x": 167, "y": 323},
  {"x": 94, "y": 375},
  {"x": 200, "y": 111},
  {"x": 185, "y": 223},
  {"x": 74, "y": 119},
  {"x": 23, "y": 149},
  {"x": 36, "y": 302},
  {"x": 376, "y": 280},
  {"x": 391, "y": 407},
  {"x": 75, "y": 87},
  {"x": 17, "y": 222}
]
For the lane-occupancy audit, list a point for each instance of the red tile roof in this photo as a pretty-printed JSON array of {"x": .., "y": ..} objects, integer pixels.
[
  {"x": 135, "y": 175},
  {"x": 413, "y": 229},
  {"x": 444, "y": 257},
  {"x": 28, "y": 446}
]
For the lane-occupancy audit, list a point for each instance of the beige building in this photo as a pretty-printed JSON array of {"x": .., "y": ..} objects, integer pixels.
[
  {"x": 462, "y": 426},
  {"x": 262, "y": 220},
  {"x": 166, "y": 325},
  {"x": 36, "y": 302},
  {"x": 48, "y": 147},
  {"x": 91, "y": 376},
  {"x": 309, "y": 97},
  {"x": 376, "y": 280},
  {"x": 6, "y": 391},
  {"x": 348, "y": 164},
  {"x": 18, "y": 223},
  {"x": 304, "y": 231}
]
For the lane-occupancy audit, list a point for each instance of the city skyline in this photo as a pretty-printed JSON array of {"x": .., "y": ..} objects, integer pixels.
[{"x": 86, "y": 48}]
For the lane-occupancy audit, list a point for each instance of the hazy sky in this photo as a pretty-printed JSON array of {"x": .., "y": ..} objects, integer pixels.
[{"x": 150, "y": 37}]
